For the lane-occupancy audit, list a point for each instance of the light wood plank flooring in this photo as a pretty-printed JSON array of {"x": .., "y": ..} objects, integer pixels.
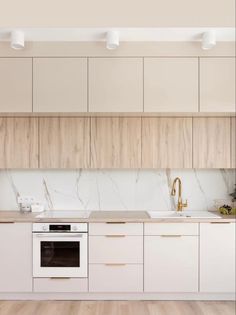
[{"x": 117, "y": 308}]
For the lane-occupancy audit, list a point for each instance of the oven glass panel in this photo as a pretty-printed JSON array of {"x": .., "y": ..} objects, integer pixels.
[{"x": 60, "y": 254}]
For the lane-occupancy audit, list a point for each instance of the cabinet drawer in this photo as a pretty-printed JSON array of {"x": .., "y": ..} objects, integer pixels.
[
  {"x": 60, "y": 285},
  {"x": 116, "y": 228},
  {"x": 115, "y": 278},
  {"x": 171, "y": 228},
  {"x": 116, "y": 248}
]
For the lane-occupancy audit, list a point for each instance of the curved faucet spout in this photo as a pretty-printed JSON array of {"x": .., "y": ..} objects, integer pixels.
[{"x": 180, "y": 204}]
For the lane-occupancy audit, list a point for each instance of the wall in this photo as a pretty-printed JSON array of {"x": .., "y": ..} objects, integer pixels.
[{"x": 115, "y": 189}]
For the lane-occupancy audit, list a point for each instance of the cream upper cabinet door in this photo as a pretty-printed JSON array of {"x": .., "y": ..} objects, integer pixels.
[
  {"x": 233, "y": 142},
  {"x": 217, "y": 84},
  {"x": 19, "y": 142},
  {"x": 115, "y": 142},
  {"x": 166, "y": 142},
  {"x": 170, "y": 85},
  {"x": 115, "y": 85},
  {"x": 211, "y": 142},
  {"x": 15, "y": 85},
  {"x": 16, "y": 257},
  {"x": 60, "y": 85},
  {"x": 64, "y": 142}
]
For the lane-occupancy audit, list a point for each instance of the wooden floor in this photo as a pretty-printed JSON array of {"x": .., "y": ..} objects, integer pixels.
[{"x": 116, "y": 308}]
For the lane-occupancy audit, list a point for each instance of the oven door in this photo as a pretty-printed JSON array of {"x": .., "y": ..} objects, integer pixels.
[{"x": 60, "y": 255}]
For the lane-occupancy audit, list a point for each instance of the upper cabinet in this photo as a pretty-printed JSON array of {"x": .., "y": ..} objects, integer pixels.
[
  {"x": 217, "y": 84},
  {"x": 64, "y": 142},
  {"x": 211, "y": 142},
  {"x": 115, "y": 85},
  {"x": 166, "y": 142},
  {"x": 115, "y": 142},
  {"x": 171, "y": 85},
  {"x": 15, "y": 85},
  {"x": 60, "y": 85},
  {"x": 18, "y": 142}
]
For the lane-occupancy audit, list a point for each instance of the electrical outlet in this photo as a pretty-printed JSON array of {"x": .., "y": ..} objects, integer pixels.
[{"x": 26, "y": 199}]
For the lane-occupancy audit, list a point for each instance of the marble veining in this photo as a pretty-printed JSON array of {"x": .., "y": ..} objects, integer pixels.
[{"x": 115, "y": 189}]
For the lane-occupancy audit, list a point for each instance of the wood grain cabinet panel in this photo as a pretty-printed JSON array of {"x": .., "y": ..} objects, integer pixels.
[
  {"x": 115, "y": 142},
  {"x": 233, "y": 142},
  {"x": 170, "y": 85},
  {"x": 211, "y": 142},
  {"x": 16, "y": 257},
  {"x": 18, "y": 142},
  {"x": 64, "y": 142},
  {"x": 60, "y": 85},
  {"x": 115, "y": 85},
  {"x": 217, "y": 84},
  {"x": 15, "y": 85},
  {"x": 166, "y": 142}
]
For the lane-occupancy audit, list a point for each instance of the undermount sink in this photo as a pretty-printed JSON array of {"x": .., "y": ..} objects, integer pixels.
[{"x": 184, "y": 214}]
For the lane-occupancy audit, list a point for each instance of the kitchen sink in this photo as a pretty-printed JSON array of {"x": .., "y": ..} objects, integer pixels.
[{"x": 184, "y": 214}]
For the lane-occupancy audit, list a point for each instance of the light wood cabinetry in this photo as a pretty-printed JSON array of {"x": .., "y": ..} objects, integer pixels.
[
  {"x": 60, "y": 85},
  {"x": 18, "y": 142},
  {"x": 64, "y": 142},
  {"x": 115, "y": 85},
  {"x": 170, "y": 85},
  {"x": 166, "y": 142},
  {"x": 16, "y": 257},
  {"x": 211, "y": 142},
  {"x": 217, "y": 257},
  {"x": 233, "y": 142},
  {"x": 115, "y": 142},
  {"x": 15, "y": 85},
  {"x": 217, "y": 84},
  {"x": 170, "y": 258}
]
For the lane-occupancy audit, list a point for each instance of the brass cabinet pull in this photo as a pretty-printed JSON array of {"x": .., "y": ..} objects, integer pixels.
[
  {"x": 115, "y": 222},
  {"x": 171, "y": 235},
  {"x": 7, "y": 222},
  {"x": 59, "y": 278},
  {"x": 115, "y": 265},
  {"x": 220, "y": 222},
  {"x": 115, "y": 235}
]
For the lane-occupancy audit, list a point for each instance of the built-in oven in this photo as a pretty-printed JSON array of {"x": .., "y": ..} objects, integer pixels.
[{"x": 60, "y": 250}]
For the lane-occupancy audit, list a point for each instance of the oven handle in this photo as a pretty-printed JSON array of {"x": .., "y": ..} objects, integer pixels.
[{"x": 57, "y": 235}]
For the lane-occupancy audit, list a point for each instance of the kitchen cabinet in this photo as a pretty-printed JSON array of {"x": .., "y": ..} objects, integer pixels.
[
  {"x": 15, "y": 85},
  {"x": 170, "y": 85},
  {"x": 217, "y": 84},
  {"x": 60, "y": 85},
  {"x": 64, "y": 142},
  {"x": 166, "y": 142},
  {"x": 18, "y": 142},
  {"x": 211, "y": 142},
  {"x": 233, "y": 142},
  {"x": 115, "y": 85},
  {"x": 115, "y": 142},
  {"x": 171, "y": 258},
  {"x": 16, "y": 257},
  {"x": 217, "y": 257},
  {"x": 46, "y": 285},
  {"x": 116, "y": 257}
]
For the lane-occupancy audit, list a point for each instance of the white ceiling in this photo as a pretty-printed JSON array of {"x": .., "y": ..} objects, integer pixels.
[{"x": 126, "y": 34}]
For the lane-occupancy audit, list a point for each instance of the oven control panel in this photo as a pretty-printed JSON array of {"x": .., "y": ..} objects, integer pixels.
[{"x": 60, "y": 227}]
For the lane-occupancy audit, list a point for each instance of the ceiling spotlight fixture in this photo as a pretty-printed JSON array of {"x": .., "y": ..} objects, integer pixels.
[
  {"x": 208, "y": 40},
  {"x": 17, "y": 39},
  {"x": 113, "y": 40}
]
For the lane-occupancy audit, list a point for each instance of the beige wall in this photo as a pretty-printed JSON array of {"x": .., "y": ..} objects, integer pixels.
[{"x": 117, "y": 13}]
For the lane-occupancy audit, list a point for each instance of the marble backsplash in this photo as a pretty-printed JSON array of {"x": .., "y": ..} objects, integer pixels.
[{"x": 115, "y": 189}]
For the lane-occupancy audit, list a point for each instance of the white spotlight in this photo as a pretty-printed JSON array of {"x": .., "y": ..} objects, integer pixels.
[
  {"x": 208, "y": 40},
  {"x": 112, "y": 40},
  {"x": 17, "y": 39}
]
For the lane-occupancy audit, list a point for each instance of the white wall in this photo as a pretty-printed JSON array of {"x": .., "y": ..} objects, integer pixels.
[{"x": 115, "y": 189}]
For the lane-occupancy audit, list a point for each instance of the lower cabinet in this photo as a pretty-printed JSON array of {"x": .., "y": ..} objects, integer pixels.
[
  {"x": 217, "y": 257},
  {"x": 60, "y": 285},
  {"x": 171, "y": 257},
  {"x": 15, "y": 257}
]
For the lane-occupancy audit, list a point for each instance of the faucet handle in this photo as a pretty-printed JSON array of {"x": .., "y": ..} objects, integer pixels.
[{"x": 185, "y": 204}]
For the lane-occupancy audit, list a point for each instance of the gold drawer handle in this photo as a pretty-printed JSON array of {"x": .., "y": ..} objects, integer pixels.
[
  {"x": 59, "y": 278},
  {"x": 171, "y": 235},
  {"x": 115, "y": 265},
  {"x": 115, "y": 236},
  {"x": 115, "y": 222},
  {"x": 220, "y": 222}
]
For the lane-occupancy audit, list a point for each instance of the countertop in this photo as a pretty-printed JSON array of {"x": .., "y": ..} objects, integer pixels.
[{"x": 106, "y": 216}]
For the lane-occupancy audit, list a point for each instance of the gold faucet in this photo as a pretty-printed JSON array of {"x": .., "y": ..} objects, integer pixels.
[{"x": 180, "y": 204}]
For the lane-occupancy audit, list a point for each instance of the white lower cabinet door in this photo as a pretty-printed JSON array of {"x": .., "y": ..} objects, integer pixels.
[
  {"x": 60, "y": 285},
  {"x": 15, "y": 257},
  {"x": 217, "y": 257},
  {"x": 171, "y": 263},
  {"x": 116, "y": 278}
]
